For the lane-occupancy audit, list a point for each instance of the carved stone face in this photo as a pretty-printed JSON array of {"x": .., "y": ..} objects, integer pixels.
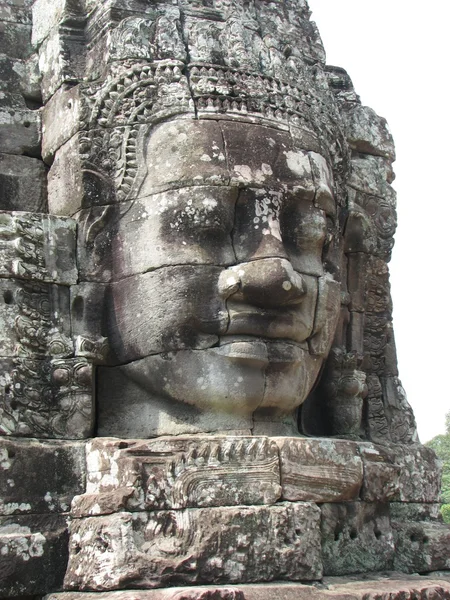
[{"x": 221, "y": 300}]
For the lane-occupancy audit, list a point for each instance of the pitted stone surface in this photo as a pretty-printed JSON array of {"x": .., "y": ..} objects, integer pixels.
[
  {"x": 46, "y": 398},
  {"x": 214, "y": 545},
  {"x": 322, "y": 470},
  {"x": 40, "y": 477},
  {"x": 214, "y": 262},
  {"x": 395, "y": 587},
  {"x": 356, "y": 538},
  {"x": 33, "y": 554},
  {"x": 179, "y": 472},
  {"x": 37, "y": 247}
]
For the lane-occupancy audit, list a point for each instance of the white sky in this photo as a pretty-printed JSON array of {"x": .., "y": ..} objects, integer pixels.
[{"x": 397, "y": 54}]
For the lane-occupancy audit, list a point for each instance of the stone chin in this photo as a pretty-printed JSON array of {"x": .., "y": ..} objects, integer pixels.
[{"x": 223, "y": 388}]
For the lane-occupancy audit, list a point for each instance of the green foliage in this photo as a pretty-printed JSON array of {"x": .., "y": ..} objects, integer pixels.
[
  {"x": 445, "y": 512},
  {"x": 441, "y": 445}
]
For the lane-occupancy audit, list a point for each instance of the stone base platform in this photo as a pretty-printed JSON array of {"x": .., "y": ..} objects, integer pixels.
[{"x": 389, "y": 586}]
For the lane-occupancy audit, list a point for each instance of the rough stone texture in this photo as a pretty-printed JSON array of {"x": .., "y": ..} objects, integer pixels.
[
  {"x": 35, "y": 318},
  {"x": 367, "y": 132},
  {"x": 225, "y": 268},
  {"x": 412, "y": 511},
  {"x": 37, "y": 247},
  {"x": 381, "y": 474},
  {"x": 157, "y": 549},
  {"x": 20, "y": 133},
  {"x": 22, "y": 182},
  {"x": 33, "y": 554},
  {"x": 395, "y": 587},
  {"x": 356, "y": 538},
  {"x": 419, "y": 476},
  {"x": 421, "y": 547},
  {"x": 319, "y": 470},
  {"x": 15, "y": 39},
  {"x": 49, "y": 398},
  {"x": 180, "y": 472},
  {"x": 40, "y": 477}
]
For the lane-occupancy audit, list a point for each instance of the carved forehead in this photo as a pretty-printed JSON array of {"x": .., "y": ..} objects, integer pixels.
[{"x": 187, "y": 152}]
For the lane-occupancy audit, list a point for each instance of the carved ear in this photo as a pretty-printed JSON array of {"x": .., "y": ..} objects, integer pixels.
[{"x": 360, "y": 234}]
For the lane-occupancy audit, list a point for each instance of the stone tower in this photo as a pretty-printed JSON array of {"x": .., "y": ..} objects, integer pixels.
[{"x": 199, "y": 382}]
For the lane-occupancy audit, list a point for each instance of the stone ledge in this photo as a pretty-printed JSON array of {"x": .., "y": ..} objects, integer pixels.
[{"x": 390, "y": 586}]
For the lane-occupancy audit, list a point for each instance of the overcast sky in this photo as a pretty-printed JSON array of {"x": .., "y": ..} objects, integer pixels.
[{"x": 397, "y": 53}]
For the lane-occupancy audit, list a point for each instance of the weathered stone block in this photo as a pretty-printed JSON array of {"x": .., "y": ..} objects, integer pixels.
[
  {"x": 319, "y": 470},
  {"x": 419, "y": 475},
  {"x": 415, "y": 511},
  {"x": 40, "y": 477},
  {"x": 200, "y": 158},
  {"x": 35, "y": 319},
  {"x": 421, "y": 547},
  {"x": 381, "y": 474},
  {"x": 22, "y": 183},
  {"x": 16, "y": 11},
  {"x": 373, "y": 175},
  {"x": 61, "y": 59},
  {"x": 372, "y": 587},
  {"x": 87, "y": 312},
  {"x": 356, "y": 538},
  {"x": 48, "y": 14},
  {"x": 66, "y": 180},
  {"x": 232, "y": 544},
  {"x": 61, "y": 119},
  {"x": 50, "y": 398},
  {"x": 367, "y": 132},
  {"x": 37, "y": 247},
  {"x": 33, "y": 554},
  {"x": 20, "y": 133},
  {"x": 395, "y": 587},
  {"x": 267, "y": 165},
  {"x": 179, "y": 472},
  {"x": 15, "y": 39}
]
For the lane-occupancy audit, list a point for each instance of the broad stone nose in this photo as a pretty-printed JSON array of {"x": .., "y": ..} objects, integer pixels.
[{"x": 266, "y": 282}]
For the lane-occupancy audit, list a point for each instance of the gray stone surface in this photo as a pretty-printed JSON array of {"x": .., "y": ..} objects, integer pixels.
[
  {"x": 381, "y": 474},
  {"x": 37, "y": 247},
  {"x": 155, "y": 549},
  {"x": 356, "y": 538},
  {"x": 22, "y": 181},
  {"x": 420, "y": 473},
  {"x": 213, "y": 264},
  {"x": 179, "y": 472},
  {"x": 46, "y": 398},
  {"x": 322, "y": 470},
  {"x": 33, "y": 554},
  {"x": 38, "y": 477},
  {"x": 15, "y": 39},
  {"x": 35, "y": 319},
  {"x": 373, "y": 587},
  {"x": 20, "y": 133},
  {"x": 421, "y": 546}
]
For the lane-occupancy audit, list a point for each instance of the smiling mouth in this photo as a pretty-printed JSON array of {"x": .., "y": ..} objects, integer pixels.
[
  {"x": 292, "y": 324},
  {"x": 261, "y": 352}
]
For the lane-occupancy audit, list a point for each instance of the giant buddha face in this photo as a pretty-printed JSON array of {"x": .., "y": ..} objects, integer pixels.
[{"x": 220, "y": 299}]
